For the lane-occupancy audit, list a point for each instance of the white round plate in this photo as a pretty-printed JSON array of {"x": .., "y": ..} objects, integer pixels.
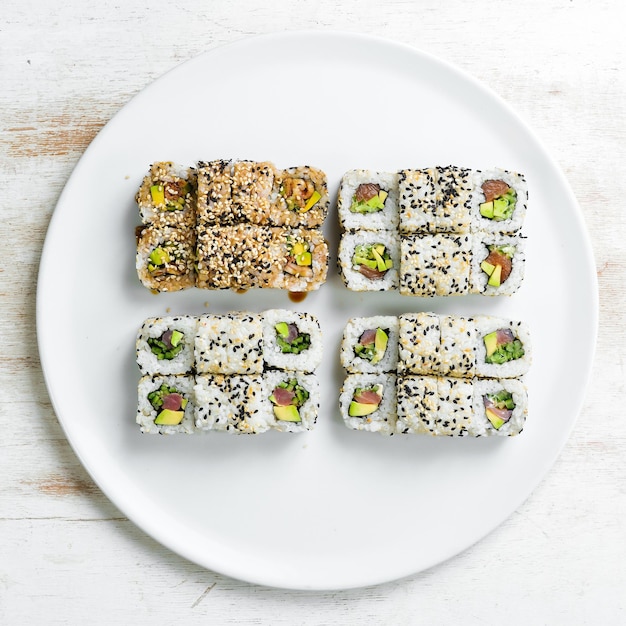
[{"x": 331, "y": 508}]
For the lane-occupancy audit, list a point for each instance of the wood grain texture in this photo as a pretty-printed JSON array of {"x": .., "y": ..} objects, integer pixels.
[{"x": 66, "y": 552}]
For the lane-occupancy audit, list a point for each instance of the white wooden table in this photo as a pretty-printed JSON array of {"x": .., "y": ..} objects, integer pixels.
[{"x": 67, "y": 555}]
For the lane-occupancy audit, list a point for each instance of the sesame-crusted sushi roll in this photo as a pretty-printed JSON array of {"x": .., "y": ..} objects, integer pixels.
[
  {"x": 457, "y": 349},
  {"x": 452, "y": 200},
  {"x": 500, "y": 407},
  {"x": 370, "y": 345},
  {"x": 455, "y": 409},
  {"x": 416, "y": 200},
  {"x": 293, "y": 398},
  {"x": 419, "y": 338},
  {"x": 165, "y": 405},
  {"x": 291, "y": 340},
  {"x": 229, "y": 344},
  {"x": 167, "y": 195},
  {"x": 368, "y": 200},
  {"x": 503, "y": 347},
  {"x": 234, "y": 404},
  {"x": 165, "y": 345},
  {"x": 214, "y": 204},
  {"x": 369, "y": 261},
  {"x": 418, "y": 403},
  {"x": 498, "y": 264},
  {"x": 368, "y": 402},
  {"x": 251, "y": 191},
  {"x": 300, "y": 197},
  {"x": 498, "y": 202},
  {"x": 165, "y": 258}
]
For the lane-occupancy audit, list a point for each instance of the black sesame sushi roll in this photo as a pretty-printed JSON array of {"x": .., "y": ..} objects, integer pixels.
[
  {"x": 370, "y": 345},
  {"x": 457, "y": 350},
  {"x": 165, "y": 405},
  {"x": 293, "y": 399},
  {"x": 252, "y": 184},
  {"x": 455, "y": 407},
  {"x": 418, "y": 404},
  {"x": 498, "y": 264},
  {"x": 416, "y": 200},
  {"x": 452, "y": 200},
  {"x": 419, "y": 338},
  {"x": 214, "y": 204},
  {"x": 500, "y": 407}
]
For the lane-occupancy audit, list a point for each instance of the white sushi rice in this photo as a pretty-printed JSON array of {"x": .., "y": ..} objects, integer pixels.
[
  {"x": 452, "y": 274},
  {"x": 419, "y": 337},
  {"x": 452, "y": 193},
  {"x": 353, "y": 330},
  {"x": 384, "y": 219},
  {"x": 418, "y": 403},
  {"x": 308, "y": 411},
  {"x": 481, "y": 426},
  {"x": 455, "y": 411},
  {"x": 480, "y": 251},
  {"x": 416, "y": 200},
  {"x": 457, "y": 348},
  {"x": 419, "y": 265},
  {"x": 308, "y": 360},
  {"x": 146, "y": 413}
]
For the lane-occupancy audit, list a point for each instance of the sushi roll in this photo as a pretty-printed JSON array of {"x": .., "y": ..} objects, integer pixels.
[
  {"x": 457, "y": 350},
  {"x": 418, "y": 404},
  {"x": 370, "y": 345},
  {"x": 498, "y": 201},
  {"x": 233, "y": 404},
  {"x": 500, "y": 407},
  {"x": 455, "y": 407},
  {"x": 299, "y": 197},
  {"x": 214, "y": 204},
  {"x": 165, "y": 345},
  {"x": 368, "y": 402},
  {"x": 165, "y": 258},
  {"x": 167, "y": 196},
  {"x": 165, "y": 405},
  {"x": 229, "y": 344},
  {"x": 369, "y": 261},
  {"x": 503, "y": 347},
  {"x": 416, "y": 200},
  {"x": 291, "y": 341},
  {"x": 293, "y": 398},
  {"x": 301, "y": 259},
  {"x": 368, "y": 200},
  {"x": 419, "y": 337},
  {"x": 498, "y": 264},
  {"x": 452, "y": 200},
  {"x": 251, "y": 190}
]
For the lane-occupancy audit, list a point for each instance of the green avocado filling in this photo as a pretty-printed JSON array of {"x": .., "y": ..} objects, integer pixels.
[
  {"x": 374, "y": 204},
  {"x": 501, "y": 400},
  {"x": 176, "y": 195},
  {"x": 373, "y": 256},
  {"x": 289, "y": 412},
  {"x": 501, "y": 208},
  {"x": 374, "y": 351},
  {"x": 361, "y": 409},
  {"x": 500, "y": 353},
  {"x": 167, "y": 348},
  {"x": 300, "y": 343},
  {"x": 156, "y": 397}
]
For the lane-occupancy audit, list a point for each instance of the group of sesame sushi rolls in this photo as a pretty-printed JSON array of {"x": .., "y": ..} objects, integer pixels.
[
  {"x": 236, "y": 372},
  {"x": 439, "y": 231},
  {"x": 425, "y": 373},
  {"x": 232, "y": 225}
]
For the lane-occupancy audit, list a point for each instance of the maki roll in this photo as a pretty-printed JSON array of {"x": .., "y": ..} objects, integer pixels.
[
  {"x": 498, "y": 264},
  {"x": 368, "y": 200},
  {"x": 418, "y": 404},
  {"x": 500, "y": 407},
  {"x": 457, "y": 348},
  {"x": 167, "y": 196},
  {"x": 455, "y": 407},
  {"x": 251, "y": 189},
  {"x": 293, "y": 399},
  {"x": 370, "y": 344},
  {"x": 419, "y": 343},
  {"x": 291, "y": 341},
  {"x": 368, "y": 402},
  {"x": 165, "y": 258},
  {"x": 214, "y": 205},
  {"x": 165, "y": 405},
  {"x": 369, "y": 260},
  {"x": 165, "y": 345},
  {"x": 416, "y": 200},
  {"x": 302, "y": 258}
]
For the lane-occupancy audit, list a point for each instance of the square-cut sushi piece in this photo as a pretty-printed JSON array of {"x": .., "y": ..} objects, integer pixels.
[
  {"x": 369, "y": 260},
  {"x": 498, "y": 264},
  {"x": 291, "y": 340},
  {"x": 214, "y": 203},
  {"x": 368, "y": 200},
  {"x": 229, "y": 344},
  {"x": 503, "y": 347},
  {"x": 165, "y": 405},
  {"x": 417, "y": 200},
  {"x": 419, "y": 265},
  {"x": 452, "y": 274},
  {"x": 370, "y": 345},
  {"x": 300, "y": 197},
  {"x": 232, "y": 403},
  {"x": 419, "y": 337},
  {"x": 452, "y": 200},
  {"x": 500, "y": 407},
  {"x": 165, "y": 259},
  {"x": 251, "y": 191},
  {"x": 457, "y": 350},
  {"x": 498, "y": 202},
  {"x": 167, "y": 195},
  {"x": 418, "y": 403},
  {"x": 455, "y": 411},
  {"x": 300, "y": 259},
  {"x": 165, "y": 345},
  {"x": 368, "y": 402},
  {"x": 293, "y": 399}
]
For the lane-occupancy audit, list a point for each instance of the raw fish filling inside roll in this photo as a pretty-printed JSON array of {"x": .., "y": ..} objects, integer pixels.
[
  {"x": 299, "y": 194},
  {"x": 167, "y": 260},
  {"x": 502, "y": 346},
  {"x": 290, "y": 340},
  {"x": 299, "y": 259},
  {"x": 498, "y": 408},
  {"x": 365, "y": 401},
  {"x": 368, "y": 198},
  {"x": 170, "y": 195},
  {"x": 372, "y": 260},
  {"x": 287, "y": 398},
  {"x": 372, "y": 345},
  {"x": 170, "y": 405},
  {"x": 168, "y": 345},
  {"x": 498, "y": 264},
  {"x": 499, "y": 201}
]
